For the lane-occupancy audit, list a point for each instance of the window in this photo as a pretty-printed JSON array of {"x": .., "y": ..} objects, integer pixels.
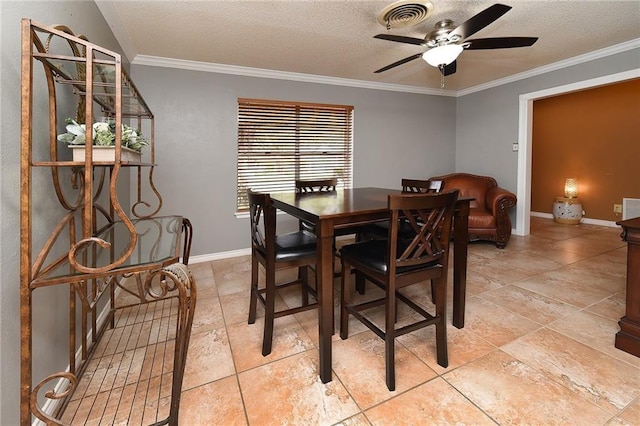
[{"x": 279, "y": 142}]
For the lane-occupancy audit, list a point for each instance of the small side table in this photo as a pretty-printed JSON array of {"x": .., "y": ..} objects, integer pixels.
[{"x": 567, "y": 210}]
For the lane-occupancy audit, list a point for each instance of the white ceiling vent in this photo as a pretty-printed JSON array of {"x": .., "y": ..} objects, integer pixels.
[
  {"x": 630, "y": 208},
  {"x": 405, "y": 13}
]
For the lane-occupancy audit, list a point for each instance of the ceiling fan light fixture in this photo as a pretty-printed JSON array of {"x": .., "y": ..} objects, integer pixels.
[{"x": 442, "y": 55}]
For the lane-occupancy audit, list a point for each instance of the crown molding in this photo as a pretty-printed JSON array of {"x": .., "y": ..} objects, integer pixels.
[
  {"x": 319, "y": 79},
  {"x": 281, "y": 75},
  {"x": 576, "y": 60}
]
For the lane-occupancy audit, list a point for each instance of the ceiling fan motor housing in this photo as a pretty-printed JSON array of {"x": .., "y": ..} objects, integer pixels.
[{"x": 440, "y": 35}]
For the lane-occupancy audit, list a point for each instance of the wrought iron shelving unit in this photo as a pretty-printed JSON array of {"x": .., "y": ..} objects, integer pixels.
[{"x": 131, "y": 296}]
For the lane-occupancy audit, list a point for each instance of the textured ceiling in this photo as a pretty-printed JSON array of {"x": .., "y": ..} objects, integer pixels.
[{"x": 335, "y": 38}]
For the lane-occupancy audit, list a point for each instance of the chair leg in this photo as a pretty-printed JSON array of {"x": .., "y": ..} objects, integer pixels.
[
  {"x": 441, "y": 326},
  {"x": 360, "y": 282},
  {"x": 389, "y": 338},
  {"x": 253, "y": 297},
  {"x": 269, "y": 312},
  {"x": 303, "y": 277},
  {"x": 344, "y": 300}
]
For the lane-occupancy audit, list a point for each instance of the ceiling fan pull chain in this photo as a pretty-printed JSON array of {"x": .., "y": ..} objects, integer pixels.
[{"x": 441, "y": 67}]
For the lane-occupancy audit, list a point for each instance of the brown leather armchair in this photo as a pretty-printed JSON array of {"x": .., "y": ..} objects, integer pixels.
[{"x": 489, "y": 215}]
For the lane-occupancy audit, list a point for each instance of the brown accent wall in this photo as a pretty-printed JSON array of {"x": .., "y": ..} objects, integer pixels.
[{"x": 593, "y": 136}]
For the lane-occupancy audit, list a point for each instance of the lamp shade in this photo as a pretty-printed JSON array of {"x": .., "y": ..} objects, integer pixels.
[
  {"x": 570, "y": 188},
  {"x": 442, "y": 55}
]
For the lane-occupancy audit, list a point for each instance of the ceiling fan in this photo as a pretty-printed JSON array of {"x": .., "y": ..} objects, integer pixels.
[{"x": 447, "y": 41}]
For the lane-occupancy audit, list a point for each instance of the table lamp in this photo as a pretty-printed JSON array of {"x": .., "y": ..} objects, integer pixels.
[{"x": 568, "y": 209}]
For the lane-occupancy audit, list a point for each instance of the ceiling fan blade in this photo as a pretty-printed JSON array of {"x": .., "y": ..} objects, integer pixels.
[
  {"x": 500, "y": 42},
  {"x": 400, "y": 62},
  {"x": 479, "y": 21},
  {"x": 400, "y": 39},
  {"x": 449, "y": 69}
]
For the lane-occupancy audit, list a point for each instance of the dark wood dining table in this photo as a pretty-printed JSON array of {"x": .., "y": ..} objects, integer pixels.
[{"x": 343, "y": 208}]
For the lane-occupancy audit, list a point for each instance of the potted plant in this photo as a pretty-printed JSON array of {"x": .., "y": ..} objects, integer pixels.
[{"x": 104, "y": 139}]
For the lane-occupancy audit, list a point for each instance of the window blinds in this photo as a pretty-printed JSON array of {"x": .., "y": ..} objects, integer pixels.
[{"x": 279, "y": 142}]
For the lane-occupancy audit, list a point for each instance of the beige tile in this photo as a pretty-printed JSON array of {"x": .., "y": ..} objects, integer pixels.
[
  {"x": 631, "y": 414},
  {"x": 235, "y": 307},
  {"x": 613, "y": 307},
  {"x": 209, "y": 358},
  {"x": 232, "y": 275},
  {"x": 592, "y": 278},
  {"x": 433, "y": 403},
  {"x": 218, "y": 402},
  {"x": 289, "y": 338},
  {"x": 494, "y": 323},
  {"x": 463, "y": 346},
  {"x": 576, "y": 293},
  {"x": 289, "y": 391},
  {"x": 478, "y": 283},
  {"x": 534, "y": 306},
  {"x": 359, "y": 363},
  {"x": 357, "y": 420},
  {"x": 500, "y": 271},
  {"x": 511, "y": 392},
  {"x": 208, "y": 314},
  {"x": 599, "y": 378},
  {"x": 595, "y": 331}
]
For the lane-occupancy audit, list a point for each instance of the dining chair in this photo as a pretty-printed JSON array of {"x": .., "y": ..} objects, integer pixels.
[
  {"x": 380, "y": 230},
  {"x": 398, "y": 262},
  {"x": 324, "y": 185},
  {"x": 274, "y": 253},
  {"x": 317, "y": 185}
]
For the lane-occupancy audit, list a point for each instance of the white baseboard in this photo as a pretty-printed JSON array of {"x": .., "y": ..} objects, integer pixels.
[
  {"x": 585, "y": 220},
  {"x": 236, "y": 253},
  {"x": 218, "y": 256}
]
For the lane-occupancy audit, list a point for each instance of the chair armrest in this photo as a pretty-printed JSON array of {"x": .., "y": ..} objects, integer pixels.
[{"x": 499, "y": 200}]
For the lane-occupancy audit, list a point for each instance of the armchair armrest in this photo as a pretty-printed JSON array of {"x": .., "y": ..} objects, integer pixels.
[{"x": 499, "y": 200}]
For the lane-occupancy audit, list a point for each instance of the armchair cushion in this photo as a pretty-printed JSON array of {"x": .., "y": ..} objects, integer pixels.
[{"x": 489, "y": 211}]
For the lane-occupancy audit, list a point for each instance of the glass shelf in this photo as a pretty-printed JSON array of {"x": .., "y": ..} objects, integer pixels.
[
  {"x": 158, "y": 245},
  {"x": 71, "y": 70}
]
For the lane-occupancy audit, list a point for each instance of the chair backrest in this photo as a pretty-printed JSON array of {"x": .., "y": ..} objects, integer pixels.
[
  {"x": 263, "y": 221},
  {"x": 430, "y": 216},
  {"x": 422, "y": 186},
  {"x": 318, "y": 185}
]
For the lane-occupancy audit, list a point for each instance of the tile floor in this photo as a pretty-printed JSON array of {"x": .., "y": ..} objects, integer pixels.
[{"x": 537, "y": 348}]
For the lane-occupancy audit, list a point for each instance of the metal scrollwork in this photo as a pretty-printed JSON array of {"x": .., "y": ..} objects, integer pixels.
[
  {"x": 52, "y": 394},
  {"x": 159, "y": 288}
]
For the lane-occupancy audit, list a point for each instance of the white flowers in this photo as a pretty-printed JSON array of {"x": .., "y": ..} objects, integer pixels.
[{"x": 104, "y": 134}]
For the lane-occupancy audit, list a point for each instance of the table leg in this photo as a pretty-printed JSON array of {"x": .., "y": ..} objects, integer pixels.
[
  {"x": 460, "y": 242},
  {"x": 325, "y": 312}
]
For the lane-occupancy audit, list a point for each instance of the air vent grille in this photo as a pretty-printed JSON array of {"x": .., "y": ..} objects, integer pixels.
[
  {"x": 405, "y": 13},
  {"x": 630, "y": 208}
]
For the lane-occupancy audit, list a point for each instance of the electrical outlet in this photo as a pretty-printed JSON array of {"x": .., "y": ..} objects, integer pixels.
[
  {"x": 514, "y": 147},
  {"x": 617, "y": 208}
]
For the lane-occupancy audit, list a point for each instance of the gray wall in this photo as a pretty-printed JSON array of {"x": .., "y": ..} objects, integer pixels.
[
  {"x": 50, "y": 305},
  {"x": 395, "y": 135},
  {"x": 487, "y": 121}
]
